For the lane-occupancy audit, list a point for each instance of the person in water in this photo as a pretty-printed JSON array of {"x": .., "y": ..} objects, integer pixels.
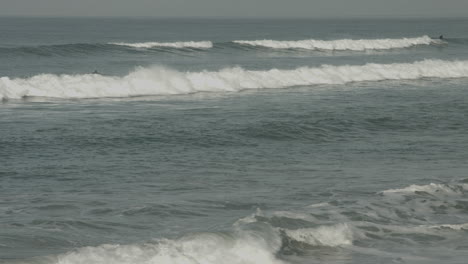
[{"x": 441, "y": 37}]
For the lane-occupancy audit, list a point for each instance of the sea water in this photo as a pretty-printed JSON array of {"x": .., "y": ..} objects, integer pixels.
[{"x": 225, "y": 141}]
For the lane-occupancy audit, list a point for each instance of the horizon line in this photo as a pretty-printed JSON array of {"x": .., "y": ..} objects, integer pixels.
[{"x": 363, "y": 17}]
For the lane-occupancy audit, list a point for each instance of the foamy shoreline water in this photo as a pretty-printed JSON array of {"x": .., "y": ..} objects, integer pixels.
[{"x": 259, "y": 238}]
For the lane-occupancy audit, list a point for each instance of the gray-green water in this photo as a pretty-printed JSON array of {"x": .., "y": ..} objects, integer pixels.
[{"x": 192, "y": 159}]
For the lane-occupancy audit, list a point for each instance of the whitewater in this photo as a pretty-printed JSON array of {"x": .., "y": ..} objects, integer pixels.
[
  {"x": 309, "y": 44},
  {"x": 233, "y": 141},
  {"x": 179, "y": 44},
  {"x": 342, "y": 44},
  {"x": 70, "y": 49},
  {"x": 165, "y": 81},
  {"x": 262, "y": 238}
]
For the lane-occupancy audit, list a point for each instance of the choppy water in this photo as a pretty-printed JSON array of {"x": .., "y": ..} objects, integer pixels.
[{"x": 233, "y": 141}]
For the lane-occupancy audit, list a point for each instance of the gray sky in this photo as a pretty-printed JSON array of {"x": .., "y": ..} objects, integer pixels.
[{"x": 236, "y": 8}]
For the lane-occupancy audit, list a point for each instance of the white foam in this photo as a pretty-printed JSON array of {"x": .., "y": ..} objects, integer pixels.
[
  {"x": 431, "y": 188},
  {"x": 293, "y": 215},
  {"x": 164, "y": 81},
  {"x": 341, "y": 44},
  {"x": 249, "y": 219},
  {"x": 176, "y": 45},
  {"x": 333, "y": 236},
  {"x": 457, "y": 227},
  {"x": 317, "y": 205},
  {"x": 208, "y": 248}
]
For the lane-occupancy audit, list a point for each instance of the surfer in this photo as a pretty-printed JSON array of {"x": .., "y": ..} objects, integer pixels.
[
  {"x": 441, "y": 37},
  {"x": 96, "y": 72}
]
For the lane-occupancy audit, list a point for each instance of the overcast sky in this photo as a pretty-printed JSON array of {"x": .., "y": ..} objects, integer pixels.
[{"x": 236, "y": 8}]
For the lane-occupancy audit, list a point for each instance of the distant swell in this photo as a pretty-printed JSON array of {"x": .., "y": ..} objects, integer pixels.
[
  {"x": 164, "y": 81},
  {"x": 65, "y": 50},
  {"x": 177, "y": 45},
  {"x": 341, "y": 44},
  {"x": 79, "y": 49}
]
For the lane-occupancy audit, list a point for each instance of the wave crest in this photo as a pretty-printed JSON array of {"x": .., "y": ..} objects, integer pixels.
[
  {"x": 272, "y": 237},
  {"x": 208, "y": 248},
  {"x": 341, "y": 44},
  {"x": 431, "y": 188},
  {"x": 175, "y": 45},
  {"x": 332, "y": 236},
  {"x": 164, "y": 81}
]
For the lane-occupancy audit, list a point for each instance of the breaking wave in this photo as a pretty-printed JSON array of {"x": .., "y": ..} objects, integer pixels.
[
  {"x": 432, "y": 188},
  {"x": 79, "y": 49},
  {"x": 164, "y": 81},
  {"x": 331, "y": 236},
  {"x": 175, "y": 45},
  {"x": 207, "y": 248},
  {"x": 255, "y": 242},
  {"x": 374, "y": 226},
  {"x": 342, "y": 44}
]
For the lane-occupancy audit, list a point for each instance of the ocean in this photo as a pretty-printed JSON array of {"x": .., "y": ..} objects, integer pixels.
[{"x": 233, "y": 141}]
